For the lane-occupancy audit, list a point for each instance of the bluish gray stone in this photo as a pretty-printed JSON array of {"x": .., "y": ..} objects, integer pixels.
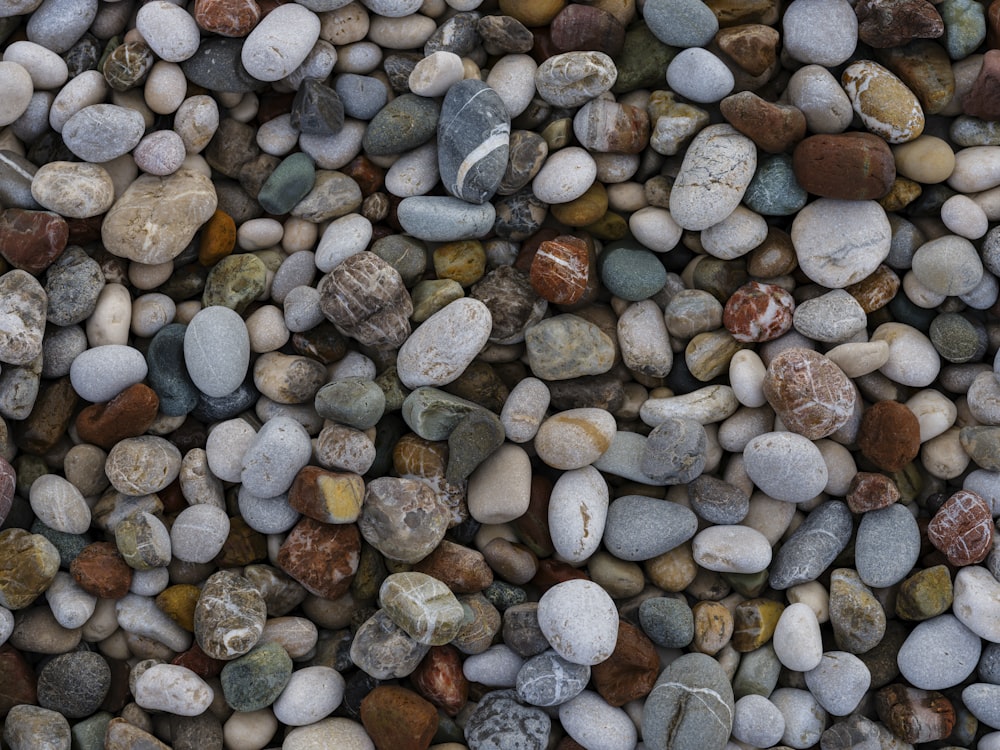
[
  {"x": 167, "y": 374},
  {"x": 58, "y": 24},
  {"x": 317, "y": 109},
  {"x": 473, "y": 137},
  {"x": 268, "y": 515},
  {"x": 983, "y": 700},
  {"x": 288, "y": 184},
  {"x": 102, "y": 132},
  {"x": 668, "y": 622},
  {"x": 74, "y": 684},
  {"x": 435, "y": 218},
  {"x": 281, "y": 448},
  {"x": 675, "y": 451},
  {"x": 717, "y": 501},
  {"x": 72, "y": 284},
  {"x": 218, "y": 408},
  {"x": 631, "y": 272},
  {"x": 401, "y": 125},
  {"x": 839, "y": 682},
  {"x": 640, "y": 528},
  {"x": 550, "y": 680},
  {"x": 989, "y": 664},
  {"x": 681, "y": 23},
  {"x": 813, "y": 546},
  {"x": 774, "y": 191},
  {"x": 356, "y": 402},
  {"x": 16, "y": 173},
  {"x": 939, "y": 653},
  {"x": 887, "y": 545},
  {"x": 362, "y": 96},
  {"x": 500, "y": 722},
  {"x": 691, "y": 705},
  {"x": 217, "y": 350},
  {"x": 101, "y": 373}
]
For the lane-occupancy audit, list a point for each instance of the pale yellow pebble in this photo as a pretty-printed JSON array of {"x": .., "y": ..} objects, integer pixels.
[
  {"x": 927, "y": 159},
  {"x": 814, "y": 596},
  {"x": 859, "y": 358},
  {"x": 943, "y": 456}
]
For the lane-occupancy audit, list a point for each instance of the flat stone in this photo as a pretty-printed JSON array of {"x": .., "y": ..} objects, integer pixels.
[{"x": 813, "y": 546}]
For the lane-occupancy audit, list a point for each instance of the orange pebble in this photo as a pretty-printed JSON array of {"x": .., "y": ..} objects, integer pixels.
[{"x": 218, "y": 238}]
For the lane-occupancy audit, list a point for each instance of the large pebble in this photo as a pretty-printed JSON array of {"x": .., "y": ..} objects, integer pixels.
[
  {"x": 839, "y": 243},
  {"x": 691, "y": 705},
  {"x": 578, "y": 509},
  {"x": 71, "y": 189},
  {"x": 731, "y": 549},
  {"x": 444, "y": 345},
  {"x": 977, "y": 602},
  {"x": 824, "y": 33},
  {"x": 594, "y": 723},
  {"x": 786, "y": 466},
  {"x": 217, "y": 350},
  {"x": 640, "y": 528},
  {"x": 797, "y": 639},
  {"x": 101, "y": 373},
  {"x": 168, "y": 30},
  {"x": 280, "y": 42},
  {"x": 939, "y": 653},
  {"x": 575, "y": 438},
  {"x": 887, "y": 546},
  {"x": 278, "y": 451},
  {"x": 174, "y": 689},
  {"x": 102, "y": 132},
  {"x": 580, "y": 620},
  {"x": 473, "y": 139},
  {"x": 23, "y": 304},
  {"x": 813, "y": 546}
]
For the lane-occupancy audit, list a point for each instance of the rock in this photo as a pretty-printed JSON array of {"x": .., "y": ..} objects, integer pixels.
[
  {"x": 896, "y": 23},
  {"x": 962, "y": 529},
  {"x": 322, "y": 557},
  {"x": 30, "y": 562},
  {"x": 174, "y": 689},
  {"x": 280, "y": 43},
  {"x": 389, "y": 503},
  {"x": 229, "y": 617},
  {"x": 384, "y": 650},
  {"x": 951, "y": 252},
  {"x": 887, "y": 546},
  {"x": 444, "y": 345},
  {"x": 365, "y": 298},
  {"x": 774, "y": 127},
  {"x": 73, "y": 189},
  {"x": 803, "y": 39},
  {"x": 923, "y": 660},
  {"x": 845, "y": 166},
  {"x": 22, "y": 307},
  {"x": 33, "y": 726},
  {"x": 473, "y": 136},
  {"x": 671, "y": 717},
  {"x": 573, "y": 78},
  {"x": 102, "y": 132},
  {"x": 422, "y": 606},
  {"x": 812, "y": 547},
  {"x": 889, "y": 435},
  {"x": 915, "y": 715},
  {"x": 580, "y": 620},
  {"x": 797, "y": 640},
  {"x": 501, "y": 721},
  {"x": 859, "y": 622},
  {"x": 396, "y": 717},
  {"x": 587, "y": 718},
  {"x": 406, "y": 122},
  {"x": 567, "y": 346},
  {"x": 549, "y": 680},
  {"x": 254, "y": 681},
  {"x": 640, "y": 528},
  {"x": 769, "y": 457},
  {"x": 849, "y": 256},
  {"x": 74, "y": 684}
]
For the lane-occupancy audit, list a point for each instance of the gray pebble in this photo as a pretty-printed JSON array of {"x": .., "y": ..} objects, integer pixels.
[
  {"x": 983, "y": 701},
  {"x": 839, "y": 682},
  {"x": 279, "y": 450},
  {"x": 813, "y": 546},
  {"x": 549, "y": 680},
  {"x": 832, "y": 318},
  {"x": 939, "y": 653},
  {"x": 887, "y": 546},
  {"x": 102, "y": 132},
  {"x": 60, "y": 347},
  {"x": 362, "y": 96},
  {"x": 501, "y": 722},
  {"x": 640, "y": 528},
  {"x": 675, "y": 451},
  {"x": 667, "y": 621},
  {"x": 101, "y": 373}
]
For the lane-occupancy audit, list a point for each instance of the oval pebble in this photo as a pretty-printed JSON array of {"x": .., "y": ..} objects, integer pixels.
[
  {"x": 786, "y": 466},
  {"x": 580, "y": 620}
]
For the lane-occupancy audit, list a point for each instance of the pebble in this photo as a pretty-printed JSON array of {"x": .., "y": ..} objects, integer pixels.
[
  {"x": 592, "y": 722},
  {"x": 786, "y": 466},
  {"x": 565, "y": 176},
  {"x": 698, "y": 75},
  {"x": 887, "y": 546},
  {"x": 640, "y": 528},
  {"x": 500, "y": 720},
  {"x": 922, "y": 660},
  {"x": 174, "y": 689},
  {"x": 731, "y": 549},
  {"x": 812, "y": 547},
  {"x": 580, "y": 621},
  {"x": 804, "y": 41},
  {"x": 669, "y": 714},
  {"x": 837, "y": 260}
]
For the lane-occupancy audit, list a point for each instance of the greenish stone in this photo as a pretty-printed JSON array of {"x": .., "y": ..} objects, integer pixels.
[
  {"x": 432, "y": 295},
  {"x": 448, "y": 730},
  {"x": 433, "y": 413},
  {"x": 964, "y": 26},
  {"x": 667, "y": 621},
  {"x": 566, "y": 347},
  {"x": 370, "y": 575},
  {"x": 401, "y": 125},
  {"x": 235, "y": 282},
  {"x": 957, "y": 339},
  {"x": 27, "y": 469},
  {"x": 288, "y": 184},
  {"x": 758, "y": 673},
  {"x": 422, "y": 606},
  {"x": 475, "y": 438},
  {"x": 185, "y": 283},
  {"x": 720, "y": 278},
  {"x": 503, "y": 595},
  {"x": 881, "y": 659},
  {"x": 68, "y": 545},
  {"x": 856, "y": 615},
  {"x": 255, "y": 680},
  {"x": 774, "y": 191},
  {"x": 747, "y": 584},
  {"x": 407, "y": 255},
  {"x": 909, "y": 483},
  {"x": 88, "y": 734},
  {"x": 28, "y": 563},
  {"x": 643, "y": 60},
  {"x": 392, "y": 388},
  {"x": 926, "y": 594},
  {"x": 630, "y": 271},
  {"x": 355, "y": 401},
  {"x": 982, "y": 443}
]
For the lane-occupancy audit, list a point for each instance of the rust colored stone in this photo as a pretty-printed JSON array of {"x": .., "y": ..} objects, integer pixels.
[
  {"x": 983, "y": 99},
  {"x": 550, "y": 572},
  {"x": 199, "y": 662},
  {"x": 809, "y": 393},
  {"x": 915, "y": 715},
  {"x": 758, "y": 312},
  {"x": 327, "y": 496},
  {"x": 775, "y": 256},
  {"x": 773, "y": 127},
  {"x": 845, "y": 166},
  {"x": 561, "y": 269},
  {"x": 398, "y": 719},
  {"x": 876, "y": 290},
  {"x": 439, "y": 679},
  {"x": 993, "y": 25},
  {"x": 530, "y": 246},
  {"x": 586, "y": 27},
  {"x": 369, "y": 176},
  {"x": 631, "y": 670},
  {"x": 18, "y": 683},
  {"x": 533, "y": 525},
  {"x": 889, "y": 436},
  {"x": 462, "y": 569},
  {"x": 100, "y": 570},
  {"x": 233, "y": 18},
  {"x": 415, "y": 456},
  {"x": 891, "y": 23},
  {"x": 752, "y": 46},
  {"x": 128, "y": 414},
  {"x": 49, "y": 417},
  {"x": 32, "y": 240},
  {"x": 736, "y": 12},
  {"x": 322, "y": 557},
  {"x": 871, "y": 491},
  {"x": 609, "y": 127},
  {"x": 963, "y": 528}
]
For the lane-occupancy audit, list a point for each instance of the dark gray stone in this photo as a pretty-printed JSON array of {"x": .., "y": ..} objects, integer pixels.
[
  {"x": 218, "y": 408},
  {"x": 717, "y": 501},
  {"x": 288, "y": 184},
  {"x": 473, "y": 141},
  {"x": 458, "y": 35},
  {"x": 887, "y": 546},
  {"x": 317, "y": 109},
  {"x": 72, "y": 285},
  {"x": 675, "y": 451},
  {"x": 668, "y": 622},
  {"x": 217, "y": 66},
  {"x": 167, "y": 374},
  {"x": 16, "y": 173},
  {"x": 550, "y": 680},
  {"x": 813, "y": 547},
  {"x": 401, "y": 125},
  {"x": 74, "y": 684},
  {"x": 500, "y": 722}
]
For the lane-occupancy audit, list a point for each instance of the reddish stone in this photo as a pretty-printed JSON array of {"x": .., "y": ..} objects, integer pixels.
[
  {"x": 172, "y": 497},
  {"x": 369, "y": 176},
  {"x": 963, "y": 528},
  {"x": 199, "y": 662},
  {"x": 809, "y": 393},
  {"x": 889, "y": 436},
  {"x": 562, "y": 269},
  {"x": 758, "y": 312},
  {"x": 736, "y": 12},
  {"x": 876, "y": 290},
  {"x": 845, "y": 166},
  {"x": 752, "y": 46},
  {"x": 463, "y": 570},
  {"x": 415, "y": 456},
  {"x": 32, "y": 240},
  {"x": 532, "y": 526},
  {"x": 328, "y": 496},
  {"x": 526, "y": 255},
  {"x": 234, "y": 18},
  {"x": 871, "y": 491},
  {"x": 550, "y": 572},
  {"x": 84, "y": 231},
  {"x": 128, "y": 414},
  {"x": 18, "y": 683},
  {"x": 773, "y": 127},
  {"x": 8, "y": 481},
  {"x": 439, "y": 679},
  {"x": 915, "y": 715},
  {"x": 631, "y": 670},
  {"x": 100, "y": 570},
  {"x": 587, "y": 27},
  {"x": 983, "y": 99},
  {"x": 893, "y": 23},
  {"x": 398, "y": 719},
  {"x": 322, "y": 557}
]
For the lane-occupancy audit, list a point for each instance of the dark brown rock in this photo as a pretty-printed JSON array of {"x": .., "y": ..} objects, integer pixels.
[
  {"x": 128, "y": 414},
  {"x": 891, "y": 23},
  {"x": 100, "y": 570},
  {"x": 915, "y": 715},
  {"x": 32, "y": 240},
  {"x": 398, "y": 719},
  {"x": 463, "y": 570},
  {"x": 234, "y": 18},
  {"x": 512, "y": 302},
  {"x": 322, "y": 557},
  {"x": 49, "y": 417},
  {"x": 773, "y": 127},
  {"x": 562, "y": 269},
  {"x": 752, "y": 46},
  {"x": 18, "y": 683},
  {"x": 871, "y": 491},
  {"x": 631, "y": 670},
  {"x": 365, "y": 298},
  {"x": 889, "y": 436},
  {"x": 439, "y": 679},
  {"x": 587, "y": 27},
  {"x": 963, "y": 528},
  {"x": 736, "y": 12},
  {"x": 983, "y": 99},
  {"x": 845, "y": 166}
]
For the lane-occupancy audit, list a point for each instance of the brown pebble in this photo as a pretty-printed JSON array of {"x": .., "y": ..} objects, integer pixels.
[
  {"x": 891, "y": 23},
  {"x": 871, "y": 491},
  {"x": 327, "y": 496},
  {"x": 397, "y": 718},
  {"x": 809, "y": 393},
  {"x": 844, "y": 166},
  {"x": 631, "y": 671},
  {"x": 924, "y": 66},
  {"x": 773, "y": 127},
  {"x": 17, "y": 680},
  {"x": 533, "y": 525},
  {"x": 512, "y": 562},
  {"x": 752, "y": 46},
  {"x": 758, "y": 312},
  {"x": 963, "y": 528},
  {"x": 322, "y": 557},
  {"x": 32, "y": 240},
  {"x": 735, "y": 12},
  {"x": 234, "y": 18},
  {"x": 550, "y": 572},
  {"x": 50, "y": 417},
  {"x": 775, "y": 256},
  {"x": 876, "y": 290},
  {"x": 713, "y": 627},
  {"x": 129, "y": 414},
  {"x": 754, "y": 621},
  {"x": 199, "y": 662},
  {"x": 584, "y": 27},
  {"x": 462, "y": 569},
  {"x": 439, "y": 679},
  {"x": 983, "y": 99},
  {"x": 890, "y": 435},
  {"x": 563, "y": 269},
  {"x": 243, "y": 545},
  {"x": 100, "y": 570},
  {"x": 915, "y": 715}
]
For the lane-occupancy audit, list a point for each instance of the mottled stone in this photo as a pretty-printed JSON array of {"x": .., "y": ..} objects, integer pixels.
[
  {"x": 422, "y": 606},
  {"x": 758, "y": 312},
  {"x": 229, "y": 617},
  {"x": 810, "y": 394},
  {"x": 915, "y": 715},
  {"x": 891, "y": 23},
  {"x": 402, "y": 518},
  {"x": 29, "y": 563},
  {"x": 365, "y": 298},
  {"x": 672, "y": 717},
  {"x": 74, "y": 684},
  {"x": 889, "y": 435},
  {"x": 858, "y": 620},
  {"x": 322, "y": 557},
  {"x": 963, "y": 528},
  {"x": 22, "y": 308},
  {"x": 32, "y": 240},
  {"x": 501, "y": 721},
  {"x": 397, "y": 717},
  {"x": 254, "y": 680}
]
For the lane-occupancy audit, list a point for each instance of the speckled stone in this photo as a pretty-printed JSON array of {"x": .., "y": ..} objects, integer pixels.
[
  {"x": 402, "y": 518},
  {"x": 858, "y": 620},
  {"x": 813, "y": 546},
  {"x": 74, "y": 684},
  {"x": 255, "y": 680},
  {"x": 229, "y": 617},
  {"x": 630, "y": 272},
  {"x": 811, "y": 395},
  {"x": 322, "y": 557},
  {"x": 501, "y": 720},
  {"x": 887, "y": 546}
]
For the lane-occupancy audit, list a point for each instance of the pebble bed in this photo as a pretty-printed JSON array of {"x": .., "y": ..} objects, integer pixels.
[{"x": 499, "y": 374}]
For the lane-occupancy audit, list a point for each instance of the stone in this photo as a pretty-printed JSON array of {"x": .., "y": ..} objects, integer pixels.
[
  {"x": 500, "y": 720},
  {"x": 229, "y": 18},
  {"x": 422, "y": 606},
  {"x": 671, "y": 717},
  {"x": 845, "y": 166},
  {"x": 859, "y": 622},
  {"x": 169, "y": 209},
  {"x": 915, "y": 715},
  {"x": 549, "y": 680},
  {"x": 128, "y": 414},
  {"x": 365, "y": 298},
  {"x": 887, "y": 546},
  {"x": 773, "y": 127},
  {"x": 567, "y": 346},
  {"x": 22, "y": 307},
  {"x": 473, "y": 136},
  {"x": 675, "y": 451},
  {"x": 102, "y": 132},
  {"x": 394, "y": 716},
  {"x": 254, "y": 680},
  {"x": 33, "y": 726},
  {"x": 229, "y": 617},
  {"x": 758, "y": 312},
  {"x": 406, "y": 122},
  {"x": 892, "y": 24},
  {"x": 280, "y": 43},
  {"x": 580, "y": 620},
  {"x": 811, "y": 395},
  {"x": 384, "y": 650},
  {"x": 570, "y": 79},
  {"x": 562, "y": 270},
  {"x": 962, "y": 528},
  {"x": 631, "y": 670},
  {"x": 171, "y": 688},
  {"x": 640, "y": 528},
  {"x": 74, "y": 684},
  {"x": 143, "y": 541},
  {"x": 629, "y": 272},
  {"x": 805, "y": 43},
  {"x": 681, "y": 23},
  {"x": 30, "y": 563},
  {"x": 922, "y": 659},
  {"x": 590, "y": 719},
  {"x": 786, "y": 466},
  {"x": 854, "y": 254},
  {"x": 813, "y": 546},
  {"x": 322, "y": 557},
  {"x": 956, "y": 253},
  {"x": 402, "y": 518}
]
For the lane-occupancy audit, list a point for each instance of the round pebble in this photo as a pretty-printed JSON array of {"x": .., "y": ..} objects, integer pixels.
[{"x": 580, "y": 620}]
